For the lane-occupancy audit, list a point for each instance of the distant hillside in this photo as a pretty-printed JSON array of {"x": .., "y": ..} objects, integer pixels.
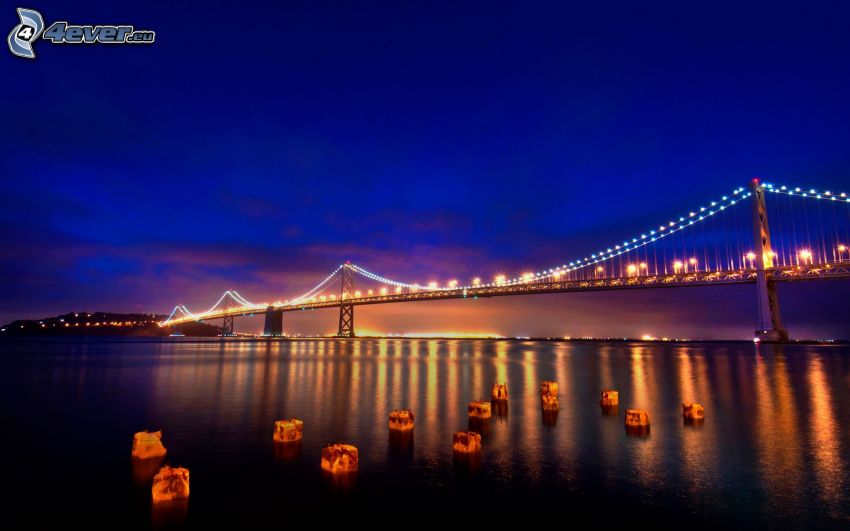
[{"x": 103, "y": 324}]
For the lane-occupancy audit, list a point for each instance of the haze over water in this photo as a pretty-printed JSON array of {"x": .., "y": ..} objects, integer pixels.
[{"x": 773, "y": 450}]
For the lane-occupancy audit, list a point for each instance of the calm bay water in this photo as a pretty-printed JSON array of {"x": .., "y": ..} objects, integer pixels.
[{"x": 774, "y": 449}]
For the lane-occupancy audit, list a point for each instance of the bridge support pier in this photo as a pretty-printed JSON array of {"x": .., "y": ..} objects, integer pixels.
[
  {"x": 346, "y": 311},
  {"x": 227, "y": 326},
  {"x": 274, "y": 322},
  {"x": 770, "y": 326}
]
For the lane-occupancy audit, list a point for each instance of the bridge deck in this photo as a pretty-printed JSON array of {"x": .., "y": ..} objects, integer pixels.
[{"x": 692, "y": 279}]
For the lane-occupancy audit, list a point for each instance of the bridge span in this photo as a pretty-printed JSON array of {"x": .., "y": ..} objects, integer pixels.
[{"x": 625, "y": 266}]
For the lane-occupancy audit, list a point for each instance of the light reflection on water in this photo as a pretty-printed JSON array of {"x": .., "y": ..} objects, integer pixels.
[{"x": 773, "y": 447}]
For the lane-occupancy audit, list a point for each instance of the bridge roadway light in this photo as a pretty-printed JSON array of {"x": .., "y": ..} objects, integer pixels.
[
  {"x": 432, "y": 285},
  {"x": 841, "y": 250},
  {"x": 383, "y": 291},
  {"x": 452, "y": 283},
  {"x": 677, "y": 266},
  {"x": 398, "y": 290},
  {"x": 751, "y": 256},
  {"x": 631, "y": 268},
  {"x": 476, "y": 281},
  {"x": 806, "y": 255},
  {"x": 499, "y": 280}
]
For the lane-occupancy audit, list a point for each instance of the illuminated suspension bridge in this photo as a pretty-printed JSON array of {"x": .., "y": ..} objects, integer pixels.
[{"x": 723, "y": 242}]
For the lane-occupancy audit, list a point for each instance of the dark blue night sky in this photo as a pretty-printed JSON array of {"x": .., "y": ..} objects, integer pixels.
[{"x": 257, "y": 148}]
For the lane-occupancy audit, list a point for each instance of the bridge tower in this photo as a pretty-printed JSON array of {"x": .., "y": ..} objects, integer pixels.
[
  {"x": 227, "y": 321},
  {"x": 227, "y": 326},
  {"x": 769, "y": 320},
  {"x": 346, "y": 311},
  {"x": 274, "y": 322}
]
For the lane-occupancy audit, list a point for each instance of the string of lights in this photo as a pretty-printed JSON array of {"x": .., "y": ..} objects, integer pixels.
[
  {"x": 385, "y": 280},
  {"x": 175, "y": 310},
  {"x": 315, "y": 290},
  {"x": 220, "y": 299},
  {"x": 811, "y": 193},
  {"x": 240, "y": 299}
]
